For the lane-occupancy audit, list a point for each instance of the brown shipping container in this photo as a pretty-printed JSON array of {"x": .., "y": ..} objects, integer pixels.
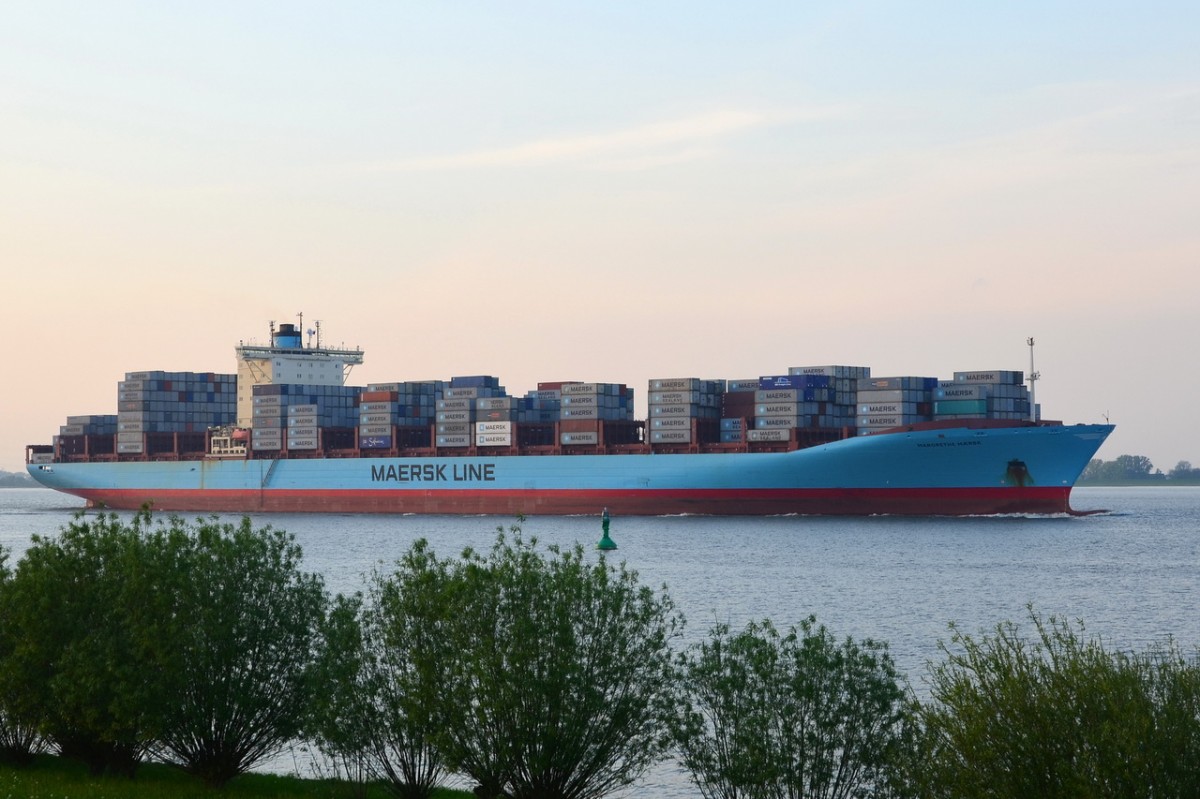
[{"x": 579, "y": 425}]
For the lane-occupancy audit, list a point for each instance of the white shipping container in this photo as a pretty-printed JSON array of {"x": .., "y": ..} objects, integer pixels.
[
  {"x": 881, "y": 421},
  {"x": 453, "y": 405},
  {"x": 674, "y": 397},
  {"x": 494, "y": 403},
  {"x": 885, "y": 408},
  {"x": 885, "y": 395},
  {"x": 42, "y": 457},
  {"x": 129, "y": 448},
  {"x": 493, "y": 427},
  {"x": 767, "y": 422},
  {"x": 580, "y": 400},
  {"x": 376, "y": 418},
  {"x": 574, "y": 389},
  {"x": 454, "y": 441},
  {"x": 579, "y": 438},
  {"x": 768, "y": 435},
  {"x": 375, "y": 430},
  {"x": 675, "y": 384},
  {"x": 494, "y": 440},
  {"x": 672, "y": 423},
  {"x": 672, "y": 410},
  {"x": 962, "y": 392},
  {"x": 131, "y": 427}
]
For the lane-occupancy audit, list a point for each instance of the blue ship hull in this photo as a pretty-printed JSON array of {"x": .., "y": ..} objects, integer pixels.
[{"x": 935, "y": 471}]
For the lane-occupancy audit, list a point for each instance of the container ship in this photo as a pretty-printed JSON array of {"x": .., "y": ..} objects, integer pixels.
[{"x": 287, "y": 433}]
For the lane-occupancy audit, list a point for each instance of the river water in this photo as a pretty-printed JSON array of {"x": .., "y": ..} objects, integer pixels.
[{"x": 1132, "y": 573}]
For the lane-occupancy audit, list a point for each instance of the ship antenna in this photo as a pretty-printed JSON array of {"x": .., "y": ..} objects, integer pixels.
[
  {"x": 1033, "y": 378},
  {"x": 301, "y": 325},
  {"x": 318, "y": 326}
]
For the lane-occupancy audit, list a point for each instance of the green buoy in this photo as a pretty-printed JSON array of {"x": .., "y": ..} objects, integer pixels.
[{"x": 605, "y": 542}]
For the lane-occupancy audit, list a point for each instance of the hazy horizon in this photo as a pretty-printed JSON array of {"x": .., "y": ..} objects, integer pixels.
[{"x": 612, "y": 193}]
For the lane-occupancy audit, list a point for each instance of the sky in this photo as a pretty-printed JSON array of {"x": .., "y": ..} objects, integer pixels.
[{"x": 607, "y": 192}]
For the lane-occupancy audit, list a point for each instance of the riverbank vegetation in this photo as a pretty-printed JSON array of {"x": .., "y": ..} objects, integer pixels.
[
  {"x": 1137, "y": 470},
  {"x": 158, "y": 657}
]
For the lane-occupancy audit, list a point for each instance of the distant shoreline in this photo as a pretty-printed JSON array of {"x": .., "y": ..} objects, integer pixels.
[{"x": 1150, "y": 483}]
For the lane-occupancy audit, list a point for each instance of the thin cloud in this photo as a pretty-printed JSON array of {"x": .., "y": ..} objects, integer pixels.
[{"x": 630, "y": 146}]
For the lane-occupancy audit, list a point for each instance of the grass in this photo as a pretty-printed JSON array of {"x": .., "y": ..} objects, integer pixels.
[{"x": 56, "y": 778}]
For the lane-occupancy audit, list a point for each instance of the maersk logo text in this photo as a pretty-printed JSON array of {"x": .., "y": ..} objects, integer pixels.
[{"x": 434, "y": 473}]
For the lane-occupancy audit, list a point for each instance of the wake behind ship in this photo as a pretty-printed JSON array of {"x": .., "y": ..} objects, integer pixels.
[{"x": 286, "y": 433}]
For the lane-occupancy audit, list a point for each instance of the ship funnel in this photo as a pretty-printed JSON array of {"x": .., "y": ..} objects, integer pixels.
[{"x": 287, "y": 337}]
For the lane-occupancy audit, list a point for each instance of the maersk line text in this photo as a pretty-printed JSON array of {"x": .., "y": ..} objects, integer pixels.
[{"x": 434, "y": 472}]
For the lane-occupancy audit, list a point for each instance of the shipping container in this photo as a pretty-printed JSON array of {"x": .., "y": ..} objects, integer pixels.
[
  {"x": 962, "y": 392},
  {"x": 569, "y": 439},
  {"x": 671, "y": 436},
  {"x": 375, "y": 430},
  {"x": 1000, "y": 376},
  {"x": 979, "y": 407},
  {"x": 777, "y": 409},
  {"x": 768, "y": 435},
  {"x": 671, "y": 423},
  {"x": 494, "y": 403},
  {"x": 675, "y": 384}
]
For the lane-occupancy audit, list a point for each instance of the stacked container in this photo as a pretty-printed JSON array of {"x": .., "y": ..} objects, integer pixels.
[
  {"x": 737, "y": 410},
  {"x": 94, "y": 425},
  {"x": 784, "y": 402},
  {"x": 172, "y": 402},
  {"x": 585, "y": 407},
  {"x": 455, "y": 408},
  {"x": 840, "y": 410},
  {"x": 301, "y": 411},
  {"x": 674, "y": 404},
  {"x": 542, "y": 405},
  {"x": 885, "y": 402},
  {"x": 994, "y": 394}
]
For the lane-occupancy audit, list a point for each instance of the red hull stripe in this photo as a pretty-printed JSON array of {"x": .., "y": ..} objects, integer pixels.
[{"x": 740, "y": 502}]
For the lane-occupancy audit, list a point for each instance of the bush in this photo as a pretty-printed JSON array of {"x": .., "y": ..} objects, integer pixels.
[
  {"x": 193, "y": 641},
  {"x": 241, "y": 649},
  {"x": 1060, "y": 716},
  {"x": 787, "y": 716},
  {"x": 385, "y": 669},
  {"x": 533, "y": 672},
  {"x": 560, "y": 682},
  {"x": 19, "y": 738},
  {"x": 82, "y": 611}
]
